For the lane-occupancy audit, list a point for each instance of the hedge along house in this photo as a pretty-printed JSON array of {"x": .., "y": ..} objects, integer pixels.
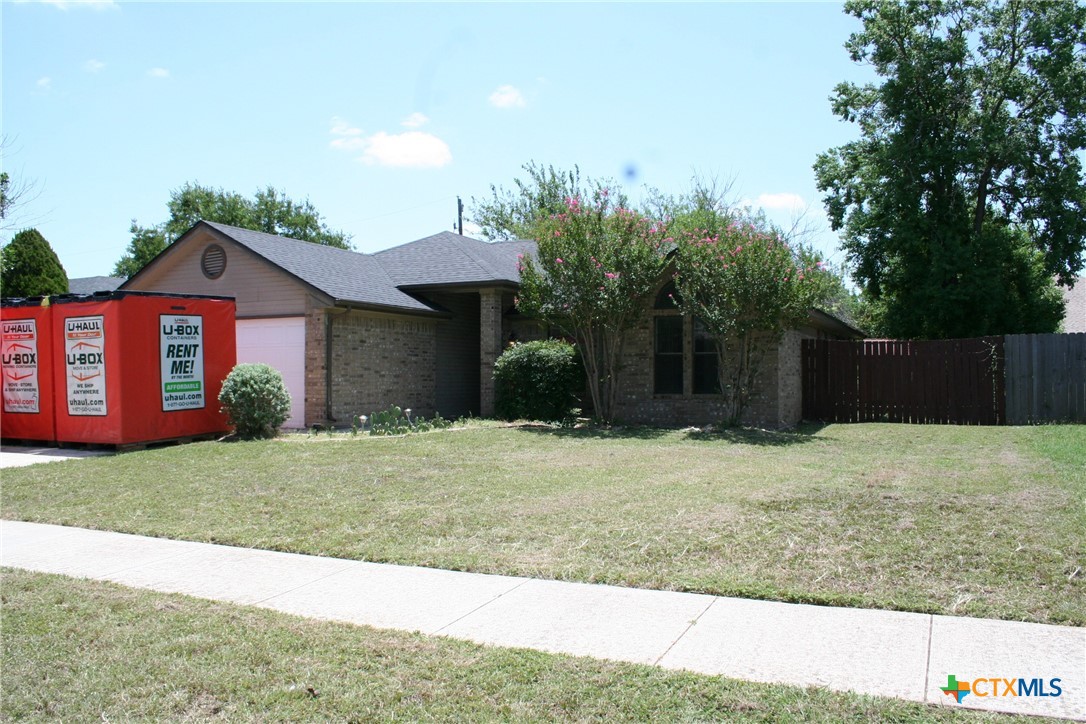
[{"x": 419, "y": 325}]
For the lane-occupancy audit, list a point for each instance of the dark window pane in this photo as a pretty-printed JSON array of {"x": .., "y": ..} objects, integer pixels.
[
  {"x": 706, "y": 379},
  {"x": 667, "y": 297},
  {"x": 669, "y": 335},
  {"x": 668, "y": 357},
  {"x": 703, "y": 341},
  {"x": 669, "y": 374}
]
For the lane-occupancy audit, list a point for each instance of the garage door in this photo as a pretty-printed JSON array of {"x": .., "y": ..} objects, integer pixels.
[{"x": 279, "y": 342}]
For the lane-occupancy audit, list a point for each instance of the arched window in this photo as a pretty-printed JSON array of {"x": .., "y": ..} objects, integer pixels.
[
  {"x": 668, "y": 344},
  {"x": 668, "y": 297},
  {"x": 682, "y": 348}
]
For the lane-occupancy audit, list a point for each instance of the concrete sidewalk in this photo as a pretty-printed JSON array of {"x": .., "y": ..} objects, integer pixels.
[
  {"x": 14, "y": 456},
  {"x": 884, "y": 653}
]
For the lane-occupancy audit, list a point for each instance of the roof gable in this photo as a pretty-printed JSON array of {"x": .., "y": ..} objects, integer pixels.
[{"x": 343, "y": 275}]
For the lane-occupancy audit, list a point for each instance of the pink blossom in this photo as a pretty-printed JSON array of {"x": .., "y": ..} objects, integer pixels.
[
  {"x": 559, "y": 260},
  {"x": 612, "y": 275}
]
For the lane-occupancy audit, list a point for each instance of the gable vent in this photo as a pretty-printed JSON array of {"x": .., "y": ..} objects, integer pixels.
[{"x": 213, "y": 262}]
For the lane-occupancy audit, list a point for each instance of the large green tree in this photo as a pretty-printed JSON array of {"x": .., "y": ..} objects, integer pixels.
[
  {"x": 30, "y": 268},
  {"x": 270, "y": 211},
  {"x": 513, "y": 213},
  {"x": 964, "y": 197}
]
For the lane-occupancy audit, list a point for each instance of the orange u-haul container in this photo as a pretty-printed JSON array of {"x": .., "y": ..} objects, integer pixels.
[
  {"x": 135, "y": 367},
  {"x": 26, "y": 345}
]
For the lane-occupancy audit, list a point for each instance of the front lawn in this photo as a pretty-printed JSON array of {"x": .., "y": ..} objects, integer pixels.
[
  {"x": 84, "y": 651},
  {"x": 959, "y": 520}
]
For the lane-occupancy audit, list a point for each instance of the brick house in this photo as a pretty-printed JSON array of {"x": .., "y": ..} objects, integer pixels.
[{"x": 420, "y": 325}]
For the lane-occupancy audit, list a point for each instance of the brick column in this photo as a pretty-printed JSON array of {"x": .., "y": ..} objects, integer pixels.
[
  {"x": 315, "y": 351},
  {"x": 490, "y": 346}
]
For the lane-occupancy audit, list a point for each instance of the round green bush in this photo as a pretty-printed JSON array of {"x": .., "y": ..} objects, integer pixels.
[
  {"x": 538, "y": 381},
  {"x": 255, "y": 400}
]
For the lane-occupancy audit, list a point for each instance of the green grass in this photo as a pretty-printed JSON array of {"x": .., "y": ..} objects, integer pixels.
[
  {"x": 972, "y": 521},
  {"x": 77, "y": 650}
]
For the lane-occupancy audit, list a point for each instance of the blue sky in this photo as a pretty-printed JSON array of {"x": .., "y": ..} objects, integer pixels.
[{"x": 382, "y": 114}]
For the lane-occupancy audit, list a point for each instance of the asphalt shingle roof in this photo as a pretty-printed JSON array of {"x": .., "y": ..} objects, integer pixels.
[
  {"x": 381, "y": 279},
  {"x": 449, "y": 258},
  {"x": 90, "y": 285},
  {"x": 346, "y": 276}
]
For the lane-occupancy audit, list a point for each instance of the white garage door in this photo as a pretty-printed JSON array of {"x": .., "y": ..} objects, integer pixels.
[{"x": 279, "y": 342}]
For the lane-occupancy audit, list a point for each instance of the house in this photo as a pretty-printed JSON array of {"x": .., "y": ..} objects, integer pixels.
[
  {"x": 90, "y": 285},
  {"x": 420, "y": 325},
  {"x": 1074, "y": 299}
]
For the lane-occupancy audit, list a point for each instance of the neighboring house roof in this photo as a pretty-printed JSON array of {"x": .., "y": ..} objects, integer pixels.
[
  {"x": 90, "y": 285},
  {"x": 1074, "y": 317},
  {"x": 832, "y": 323},
  {"x": 451, "y": 259}
]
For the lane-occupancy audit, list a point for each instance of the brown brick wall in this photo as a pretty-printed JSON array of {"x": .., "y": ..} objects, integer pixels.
[
  {"x": 638, "y": 405},
  {"x": 491, "y": 342},
  {"x": 381, "y": 360},
  {"x": 314, "y": 363}
]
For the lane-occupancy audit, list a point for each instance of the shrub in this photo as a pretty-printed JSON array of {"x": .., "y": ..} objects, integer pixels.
[
  {"x": 397, "y": 421},
  {"x": 538, "y": 381},
  {"x": 255, "y": 400}
]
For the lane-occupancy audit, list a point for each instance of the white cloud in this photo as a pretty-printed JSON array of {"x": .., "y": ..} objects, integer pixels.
[
  {"x": 472, "y": 229},
  {"x": 45, "y": 83},
  {"x": 340, "y": 127},
  {"x": 507, "y": 96},
  {"x": 158, "y": 73},
  {"x": 413, "y": 149},
  {"x": 93, "y": 66},
  {"x": 410, "y": 149},
  {"x": 347, "y": 137},
  {"x": 415, "y": 120},
  {"x": 780, "y": 202}
]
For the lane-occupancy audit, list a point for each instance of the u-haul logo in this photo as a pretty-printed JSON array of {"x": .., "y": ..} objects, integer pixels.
[
  {"x": 85, "y": 365},
  {"x": 19, "y": 351}
]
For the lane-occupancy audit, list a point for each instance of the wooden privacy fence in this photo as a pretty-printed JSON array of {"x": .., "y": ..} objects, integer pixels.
[
  {"x": 1046, "y": 378},
  {"x": 1016, "y": 379},
  {"x": 957, "y": 381}
]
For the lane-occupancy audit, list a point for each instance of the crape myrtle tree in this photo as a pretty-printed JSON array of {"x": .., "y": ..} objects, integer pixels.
[
  {"x": 30, "y": 268},
  {"x": 270, "y": 211},
  {"x": 746, "y": 285},
  {"x": 964, "y": 197},
  {"x": 513, "y": 213},
  {"x": 597, "y": 262}
]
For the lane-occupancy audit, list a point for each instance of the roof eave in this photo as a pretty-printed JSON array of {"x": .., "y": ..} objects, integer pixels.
[
  {"x": 507, "y": 284},
  {"x": 834, "y": 324},
  {"x": 389, "y": 309}
]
